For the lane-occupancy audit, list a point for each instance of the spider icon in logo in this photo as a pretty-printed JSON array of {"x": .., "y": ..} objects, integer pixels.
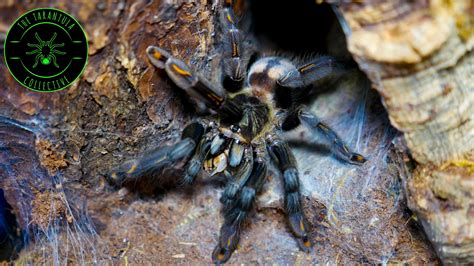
[{"x": 45, "y": 51}]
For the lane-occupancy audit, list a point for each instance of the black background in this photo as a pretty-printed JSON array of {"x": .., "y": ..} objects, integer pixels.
[{"x": 45, "y": 32}]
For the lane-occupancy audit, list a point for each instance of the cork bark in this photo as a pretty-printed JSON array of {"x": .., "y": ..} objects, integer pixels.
[{"x": 418, "y": 55}]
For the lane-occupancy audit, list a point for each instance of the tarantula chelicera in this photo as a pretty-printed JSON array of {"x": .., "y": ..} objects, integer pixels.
[{"x": 242, "y": 133}]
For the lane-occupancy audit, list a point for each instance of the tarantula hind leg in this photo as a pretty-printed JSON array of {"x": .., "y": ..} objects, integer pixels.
[
  {"x": 238, "y": 199},
  {"x": 282, "y": 154},
  {"x": 37, "y": 58},
  {"x": 53, "y": 57},
  {"x": 158, "y": 158},
  {"x": 304, "y": 116}
]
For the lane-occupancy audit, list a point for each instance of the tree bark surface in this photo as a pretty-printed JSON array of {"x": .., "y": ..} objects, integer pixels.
[{"x": 419, "y": 57}]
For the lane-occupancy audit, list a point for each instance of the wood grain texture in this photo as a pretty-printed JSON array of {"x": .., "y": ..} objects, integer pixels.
[{"x": 419, "y": 57}]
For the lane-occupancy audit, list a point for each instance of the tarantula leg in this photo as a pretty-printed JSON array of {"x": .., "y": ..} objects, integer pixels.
[
  {"x": 337, "y": 145},
  {"x": 53, "y": 38},
  {"x": 200, "y": 90},
  {"x": 234, "y": 62},
  {"x": 240, "y": 178},
  {"x": 196, "y": 162},
  {"x": 37, "y": 46},
  {"x": 57, "y": 45},
  {"x": 53, "y": 58},
  {"x": 36, "y": 60},
  {"x": 236, "y": 153},
  {"x": 160, "y": 157},
  {"x": 293, "y": 206},
  {"x": 58, "y": 52},
  {"x": 38, "y": 38},
  {"x": 317, "y": 72},
  {"x": 34, "y": 52},
  {"x": 218, "y": 144},
  {"x": 236, "y": 214}
]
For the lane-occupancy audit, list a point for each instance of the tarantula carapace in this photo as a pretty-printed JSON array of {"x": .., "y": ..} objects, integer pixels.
[{"x": 243, "y": 133}]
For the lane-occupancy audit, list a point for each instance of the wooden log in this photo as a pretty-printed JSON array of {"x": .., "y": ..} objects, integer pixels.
[{"x": 419, "y": 57}]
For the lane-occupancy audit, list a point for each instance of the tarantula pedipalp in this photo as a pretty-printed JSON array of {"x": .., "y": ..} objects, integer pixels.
[
  {"x": 243, "y": 133},
  {"x": 45, "y": 51}
]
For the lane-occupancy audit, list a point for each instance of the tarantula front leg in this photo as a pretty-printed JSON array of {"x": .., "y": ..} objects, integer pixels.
[
  {"x": 238, "y": 198},
  {"x": 234, "y": 61},
  {"x": 160, "y": 157},
  {"x": 282, "y": 154},
  {"x": 39, "y": 39},
  {"x": 200, "y": 90},
  {"x": 304, "y": 116},
  {"x": 53, "y": 38}
]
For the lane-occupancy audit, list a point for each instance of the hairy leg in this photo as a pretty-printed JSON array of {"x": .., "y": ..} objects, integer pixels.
[
  {"x": 205, "y": 95},
  {"x": 238, "y": 205},
  {"x": 160, "y": 157},
  {"x": 298, "y": 223},
  {"x": 313, "y": 123},
  {"x": 196, "y": 162},
  {"x": 234, "y": 61},
  {"x": 321, "y": 70}
]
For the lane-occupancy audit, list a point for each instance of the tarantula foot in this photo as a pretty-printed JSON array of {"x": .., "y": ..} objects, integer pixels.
[
  {"x": 357, "y": 158},
  {"x": 221, "y": 255},
  {"x": 305, "y": 244},
  {"x": 298, "y": 225},
  {"x": 122, "y": 172},
  {"x": 228, "y": 241}
]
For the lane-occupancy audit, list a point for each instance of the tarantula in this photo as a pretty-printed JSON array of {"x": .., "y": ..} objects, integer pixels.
[
  {"x": 45, "y": 51},
  {"x": 242, "y": 134}
]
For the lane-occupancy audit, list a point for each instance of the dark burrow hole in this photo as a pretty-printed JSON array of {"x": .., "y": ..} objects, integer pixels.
[
  {"x": 301, "y": 28},
  {"x": 11, "y": 241}
]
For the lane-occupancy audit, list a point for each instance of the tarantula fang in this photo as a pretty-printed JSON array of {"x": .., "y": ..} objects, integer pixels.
[{"x": 241, "y": 133}]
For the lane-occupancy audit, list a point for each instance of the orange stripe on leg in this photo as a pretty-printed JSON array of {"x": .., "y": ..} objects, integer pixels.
[
  {"x": 306, "y": 67},
  {"x": 181, "y": 71},
  {"x": 229, "y": 18}
]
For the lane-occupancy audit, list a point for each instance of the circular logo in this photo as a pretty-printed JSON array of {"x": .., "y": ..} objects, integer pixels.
[{"x": 46, "y": 50}]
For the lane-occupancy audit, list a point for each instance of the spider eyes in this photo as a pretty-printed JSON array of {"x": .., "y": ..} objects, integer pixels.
[{"x": 235, "y": 128}]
